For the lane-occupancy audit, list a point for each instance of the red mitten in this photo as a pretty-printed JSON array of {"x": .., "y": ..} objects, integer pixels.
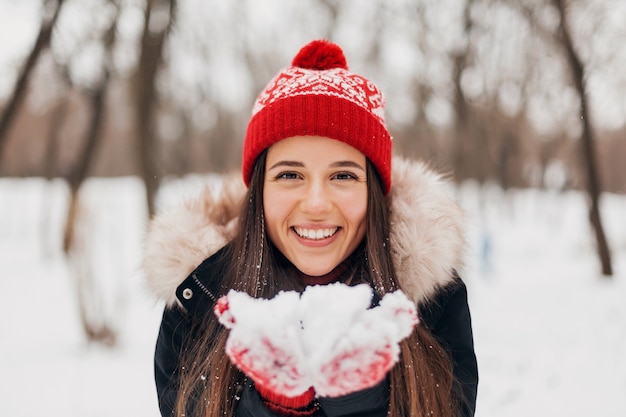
[
  {"x": 356, "y": 349},
  {"x": 264, "y": 343}
]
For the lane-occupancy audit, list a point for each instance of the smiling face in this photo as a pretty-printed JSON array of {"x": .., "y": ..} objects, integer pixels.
[{"x": 315, "y": 201}]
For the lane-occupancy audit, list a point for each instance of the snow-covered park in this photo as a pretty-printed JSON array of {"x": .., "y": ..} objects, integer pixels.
[{"x": 550, "y": 330}]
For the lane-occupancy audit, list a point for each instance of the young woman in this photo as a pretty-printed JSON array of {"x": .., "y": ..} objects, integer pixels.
[{"x": 319, "y": 208}]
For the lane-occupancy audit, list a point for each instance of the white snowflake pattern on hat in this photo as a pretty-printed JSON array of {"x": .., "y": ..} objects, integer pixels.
[{"x": 335, "y": 82}]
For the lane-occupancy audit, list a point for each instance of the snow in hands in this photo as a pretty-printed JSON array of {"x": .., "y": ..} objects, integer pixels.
[{"x": 327, "y": 338}]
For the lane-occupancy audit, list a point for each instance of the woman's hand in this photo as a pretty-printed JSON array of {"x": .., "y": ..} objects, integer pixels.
[
  {"x": 264, "y": 340},
  {"x": 357, "y": 350},
  {"x": 363, "y": 356},
  {"x": 328, "y": 338}
]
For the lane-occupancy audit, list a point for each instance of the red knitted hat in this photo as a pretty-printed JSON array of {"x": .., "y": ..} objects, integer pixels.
[{"x": 318, "y": 96}]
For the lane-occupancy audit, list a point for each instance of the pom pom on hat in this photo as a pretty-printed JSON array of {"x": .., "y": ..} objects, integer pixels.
[
  {"x": 320, "y": 55},
  {"x": 318, "y": 96}
]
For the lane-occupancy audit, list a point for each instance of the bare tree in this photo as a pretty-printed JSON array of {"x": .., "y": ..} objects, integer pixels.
[
  {"x": 577, "y": 69},
  {"x": 159, "y": 16},
  {"x": 59, "y": 113},
  {"x": 563, "y": 39},
  {"x": 463, "y": 127},
  {"x": 75, "y": 243},
  {"x": 97, "y": 99},
  {"x": 52, "y": 8}
]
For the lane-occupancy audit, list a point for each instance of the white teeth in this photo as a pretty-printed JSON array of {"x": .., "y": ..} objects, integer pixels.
[{"x": 316, "y": 234}]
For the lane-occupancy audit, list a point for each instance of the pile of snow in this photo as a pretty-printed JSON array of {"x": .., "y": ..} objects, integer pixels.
[
  {"x": 550, "y": 330},
  {"x": 327, "y": 338}
]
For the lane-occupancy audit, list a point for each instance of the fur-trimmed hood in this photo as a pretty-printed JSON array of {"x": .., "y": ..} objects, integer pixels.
[{"x": 426, "y": 237}]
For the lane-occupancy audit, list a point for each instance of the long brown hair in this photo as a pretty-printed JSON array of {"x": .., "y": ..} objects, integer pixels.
[{"x": 421, "y": 383}]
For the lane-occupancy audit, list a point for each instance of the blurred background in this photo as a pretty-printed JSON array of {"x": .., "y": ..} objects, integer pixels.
[{"x": 111, "y": 110}]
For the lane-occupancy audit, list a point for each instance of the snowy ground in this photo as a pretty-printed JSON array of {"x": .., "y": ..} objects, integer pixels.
[{"x": 550, "y": 331}]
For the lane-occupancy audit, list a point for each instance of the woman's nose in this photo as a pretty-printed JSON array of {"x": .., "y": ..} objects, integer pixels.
[{"x": 316, "y": 198}]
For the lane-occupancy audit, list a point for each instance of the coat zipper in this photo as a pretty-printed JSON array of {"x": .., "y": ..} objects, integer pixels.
[{"x": 203, "y": 288}]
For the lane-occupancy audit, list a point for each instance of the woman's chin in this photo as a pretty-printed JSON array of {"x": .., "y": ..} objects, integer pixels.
[{"x": 314, "y": 271}]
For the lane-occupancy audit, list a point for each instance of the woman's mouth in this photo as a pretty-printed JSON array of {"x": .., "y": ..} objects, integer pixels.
[{"x": 315, "y": 234}]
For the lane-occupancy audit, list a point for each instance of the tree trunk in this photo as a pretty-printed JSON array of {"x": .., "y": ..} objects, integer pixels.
[
  {"x": 85, "y": 159},
  {"x": 50, "y": 169},
  {"x": 152, "y": 42},
  {"x": 78, "y": 238},
  {"x": 587, "y": 142},
  {"x": 79, "y": 172},
  {"x": 19, "y": 92},
  {"x": 463, "y": 122}
]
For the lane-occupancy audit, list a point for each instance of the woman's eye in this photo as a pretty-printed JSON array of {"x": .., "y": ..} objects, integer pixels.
[
  {"x": 345, "y": 176},
  {"x": 287, "y": 176}
]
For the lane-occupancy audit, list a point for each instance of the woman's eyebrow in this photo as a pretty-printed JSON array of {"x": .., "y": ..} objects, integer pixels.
[
  {"x": 347, "y": 164},
  {"x": 287, "y": 164}
]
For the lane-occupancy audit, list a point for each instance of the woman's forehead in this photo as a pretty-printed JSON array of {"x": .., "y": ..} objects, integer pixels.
[{"x": 315, "y": 149}]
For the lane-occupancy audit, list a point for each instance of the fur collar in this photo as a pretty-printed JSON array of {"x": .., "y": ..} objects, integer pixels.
[{"x": 426, "y": 235}]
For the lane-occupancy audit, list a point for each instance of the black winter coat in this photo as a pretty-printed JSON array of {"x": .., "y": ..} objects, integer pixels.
[
  {"x": 447, "y": 315},
  {"x": 427, "y": 244}
]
